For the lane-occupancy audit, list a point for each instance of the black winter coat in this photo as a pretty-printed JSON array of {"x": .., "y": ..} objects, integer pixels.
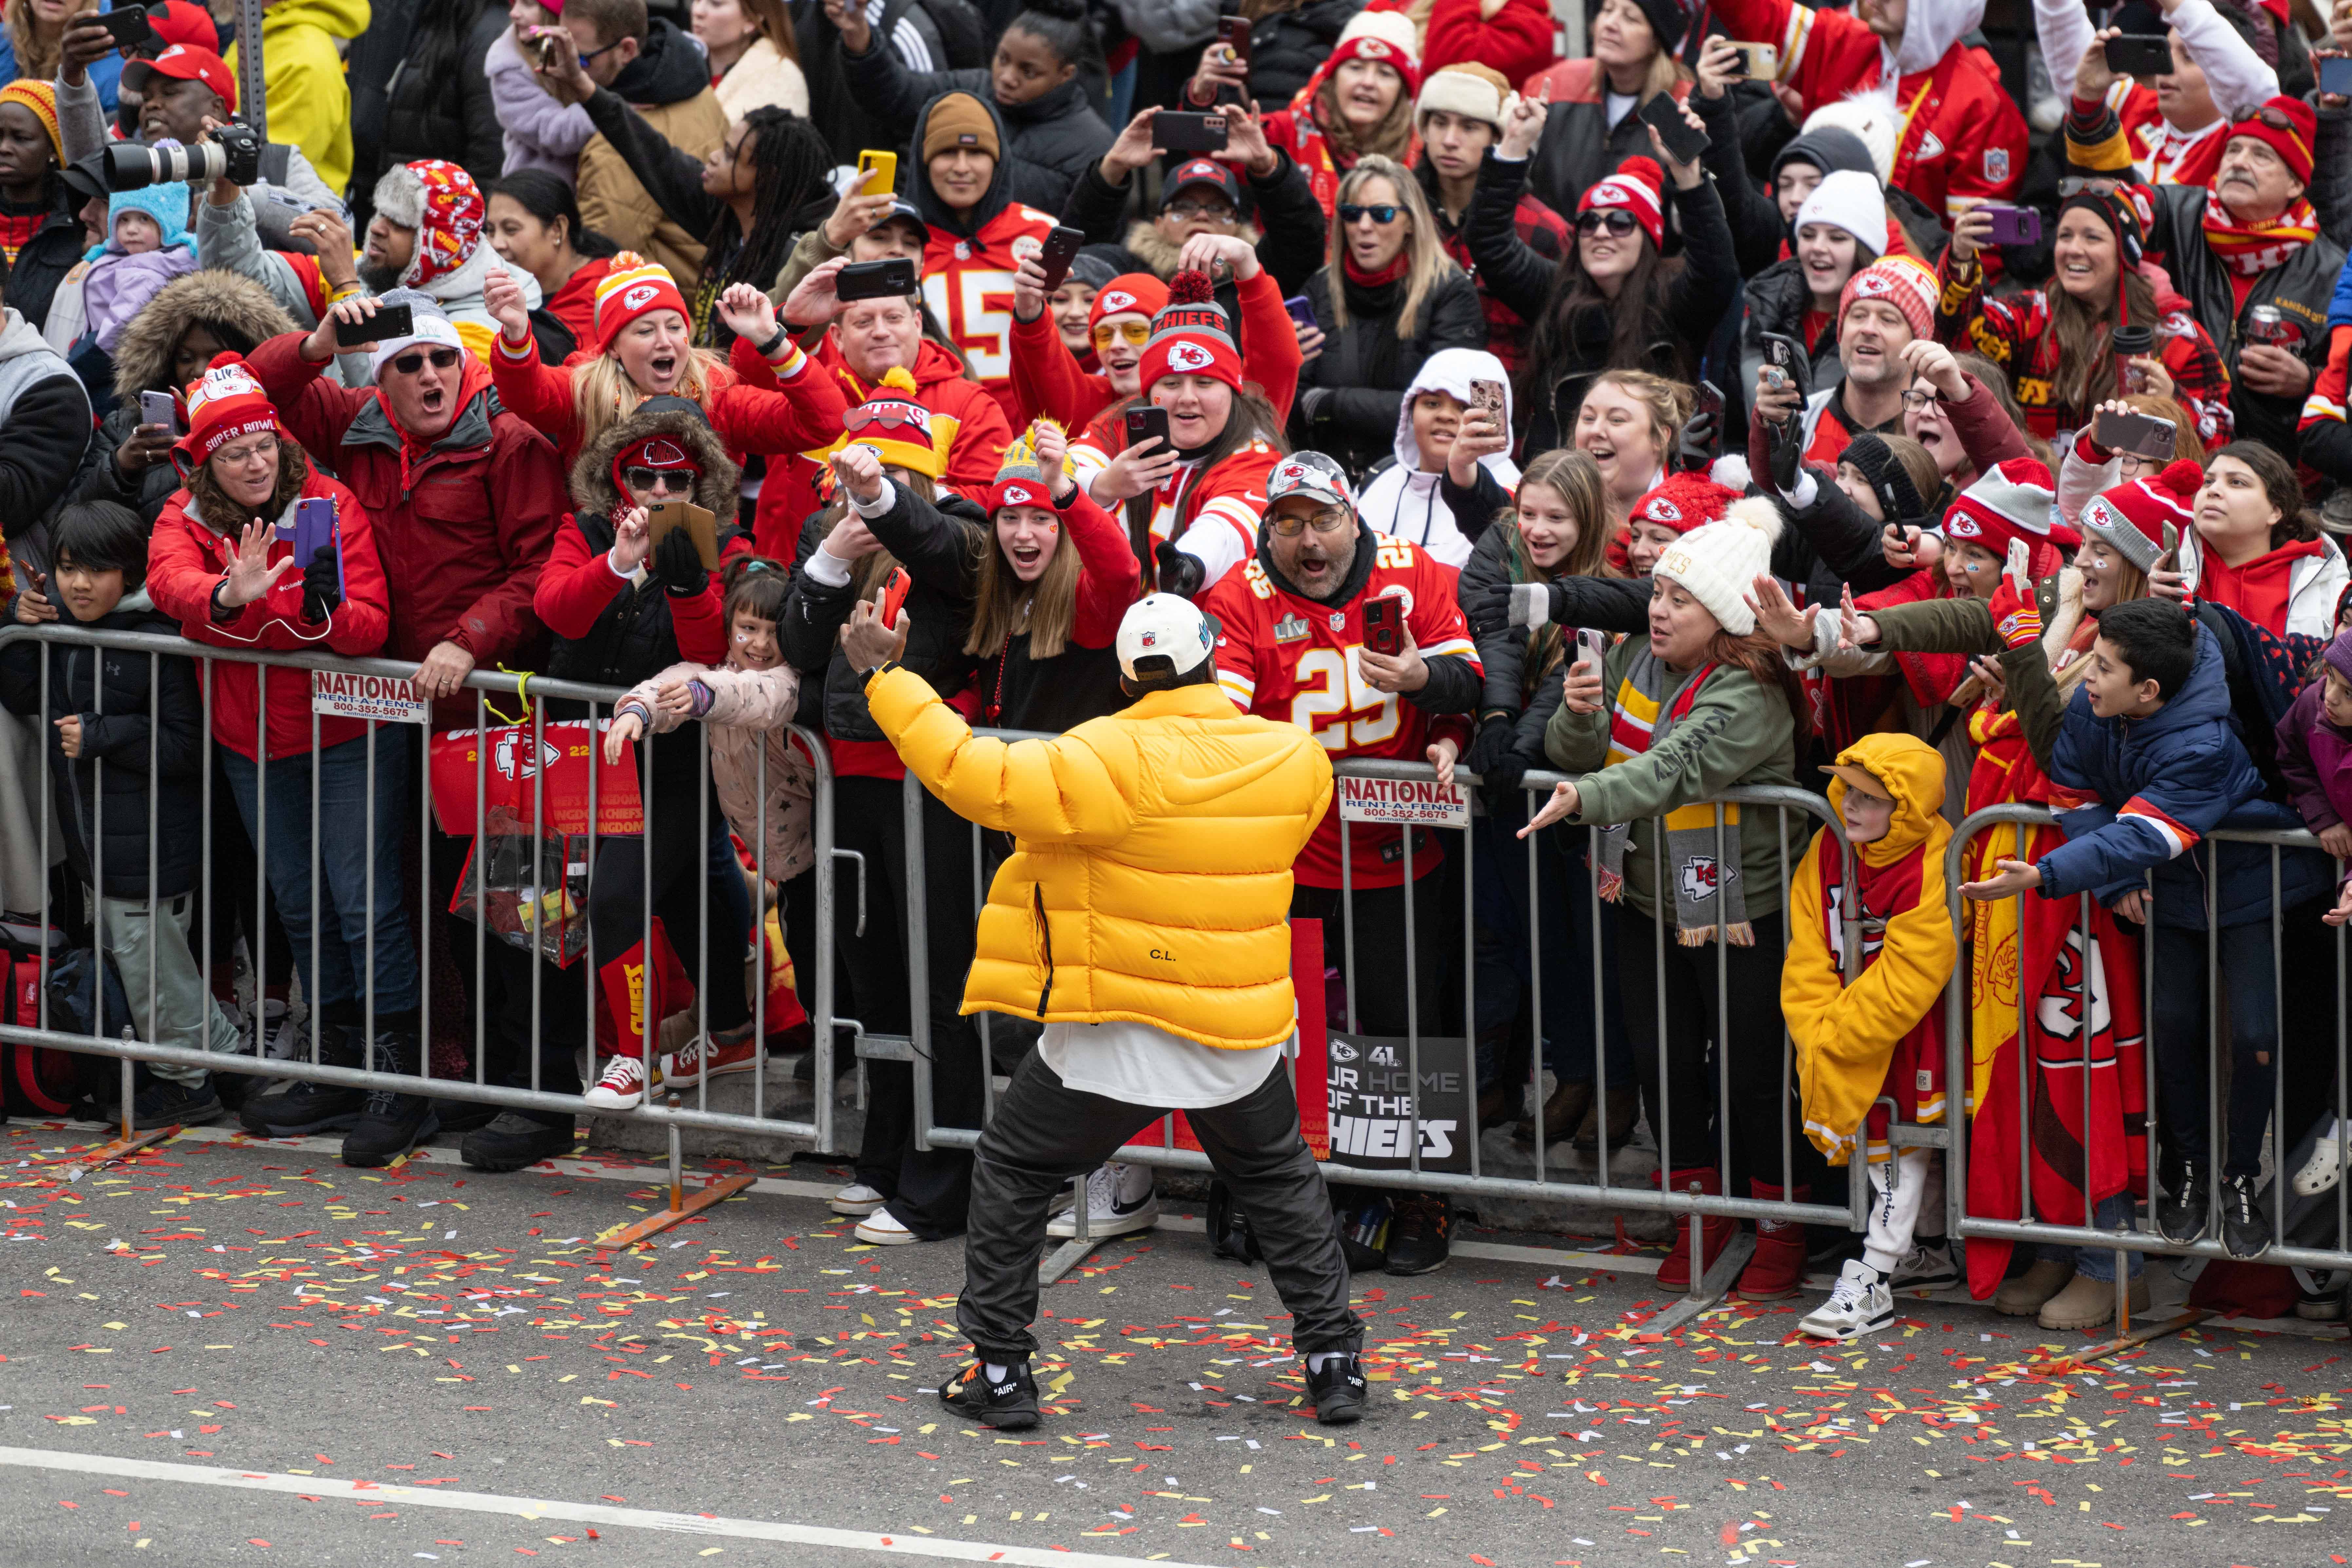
[
  {"x": 939, "y": 547},
  {"x": 1054, "y": 137},
  {"x": 1579, "y": 149},
  {"x": 1349, "y": 393},
  {"x": 438, "y": 104},
  {"x": 1290, "y": 221},
  {"x": 632, "y": 639},
  {"x": 1503, "y": 650},
  {"x": 848, "y": 123},
  {"x": 1289, "y": 47},
  {"x": 115, "y": 708},
  {"x": 52, "y": 252},
  {"x": 1704, "y": 288}
]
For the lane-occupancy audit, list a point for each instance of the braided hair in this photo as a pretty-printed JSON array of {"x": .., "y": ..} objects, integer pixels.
[{"x": 791, "y": 166}]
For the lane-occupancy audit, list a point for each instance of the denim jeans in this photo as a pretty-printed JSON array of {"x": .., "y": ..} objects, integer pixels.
[
  {"x": 349, "y": 918},
  {"x": 2099, "y": 1262},
  {"x": 1565, "y": 919},
  {"x": 2184, "y": 1049}
]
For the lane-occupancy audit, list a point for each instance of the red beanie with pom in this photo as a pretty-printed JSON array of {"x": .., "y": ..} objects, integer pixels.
[
  {"x": 1190, "y": 336},
  {"x": 1683, "y": 501},
  {"x": 2133, "y": 517},
  {"x": 1638, "y": 186}
]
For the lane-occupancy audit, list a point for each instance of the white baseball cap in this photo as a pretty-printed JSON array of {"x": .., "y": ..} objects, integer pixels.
[{"x": 1163, "y": 626}]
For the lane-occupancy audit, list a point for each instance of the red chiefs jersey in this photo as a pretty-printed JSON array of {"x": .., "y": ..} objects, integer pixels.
[
  {"x": 1212, "y": 515},
  {"x": 1286, "y": 657},
  {"x": 968, "y": 284}
]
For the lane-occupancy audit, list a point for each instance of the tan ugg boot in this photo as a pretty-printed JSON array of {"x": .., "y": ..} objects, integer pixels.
[
  {"x": 2026, "y": 1294},
  {"x": 2088, "y": 1303}
]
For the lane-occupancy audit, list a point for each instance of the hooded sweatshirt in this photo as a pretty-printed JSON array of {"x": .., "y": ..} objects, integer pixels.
[
  {"x": 1848, "y": 1035},
  {"x": 968, "y": 264},
  {"x": 1401, "y": 498}
]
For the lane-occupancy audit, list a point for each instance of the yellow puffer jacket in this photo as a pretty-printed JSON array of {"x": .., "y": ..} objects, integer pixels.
[
  {"x": 1150, "y": 878},
  {"x": 1845, "y": 1035}
]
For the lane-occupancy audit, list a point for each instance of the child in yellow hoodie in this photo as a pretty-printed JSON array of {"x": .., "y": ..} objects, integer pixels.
[{"x": 1882, "y": 1035}]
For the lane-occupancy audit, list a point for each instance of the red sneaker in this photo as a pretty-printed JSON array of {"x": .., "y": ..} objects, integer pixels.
[{"x": 704, "y": 1055}]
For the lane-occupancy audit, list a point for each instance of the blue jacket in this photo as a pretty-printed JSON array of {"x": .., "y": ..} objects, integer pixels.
[{"x": 2162, "y": 783}]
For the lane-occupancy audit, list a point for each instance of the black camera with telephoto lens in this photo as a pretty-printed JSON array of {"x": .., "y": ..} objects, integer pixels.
[{"x": 231, "y": 152}]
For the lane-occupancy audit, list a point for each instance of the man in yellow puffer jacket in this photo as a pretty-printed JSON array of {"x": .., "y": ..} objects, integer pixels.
[{"x": 1142, "y": 919}]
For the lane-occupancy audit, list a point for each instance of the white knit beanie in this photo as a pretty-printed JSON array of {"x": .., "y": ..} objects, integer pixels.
[
  {"x": 1718, "y": 563},
  {"x": 1851, "y": 200},
  {"x": 1872, "y": 114}
]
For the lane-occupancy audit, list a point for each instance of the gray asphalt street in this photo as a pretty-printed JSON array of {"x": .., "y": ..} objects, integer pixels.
[{"x": 228, "y": 1351}]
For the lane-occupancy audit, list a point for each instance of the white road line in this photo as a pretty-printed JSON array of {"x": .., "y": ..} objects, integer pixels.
[{"x": 534, "y": 1508}]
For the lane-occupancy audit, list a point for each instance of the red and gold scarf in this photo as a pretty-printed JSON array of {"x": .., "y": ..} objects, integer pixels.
[{"x": 2251, "y": 249}]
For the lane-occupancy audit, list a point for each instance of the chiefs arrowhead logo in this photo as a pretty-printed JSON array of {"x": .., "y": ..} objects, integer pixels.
[
  {"x": 1186, "y": 358},
  {"x": 1372, "y": 49},
  {"x": 1117, "y": 300},
  {"x": 512, "y": 762},
  {"x": 1018, "y": 495},
  {"x": 1663, "y": 510},
  {"x": 639, "y": 296}
]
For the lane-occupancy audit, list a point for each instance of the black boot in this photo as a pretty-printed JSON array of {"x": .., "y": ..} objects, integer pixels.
[
  {"x": 390, "y": 1123},
  {"x": 511, "y": 1140},
  {"x": 164, "y": 1103},
  {"x": 306, "y": 1108},
  {"x": 2181, "y": 1211}
]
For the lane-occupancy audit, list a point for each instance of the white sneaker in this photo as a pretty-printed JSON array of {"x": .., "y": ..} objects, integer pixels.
[
  {"x": 1118, "y": 1200},
  {"x": 881, "y": 1228},
  {"x": 2325, "y": 1168},
  {"x": 622, "y": 1084},
  {"x": 856, "y": 1199},
  {"x": 1859, "y": 1304},
  {"x": 1928, "y": 1266}
]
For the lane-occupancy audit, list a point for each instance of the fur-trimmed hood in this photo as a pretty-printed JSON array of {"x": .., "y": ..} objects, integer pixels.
[
  {"x": 142, "y": 356},
  {"x": 593, "y": 490},
  {"x": 1144, "y": 242}
]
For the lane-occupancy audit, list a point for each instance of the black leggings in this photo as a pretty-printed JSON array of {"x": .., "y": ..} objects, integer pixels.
[
  {"x": 1682, "y": 1094},
  {"x": 929, "y": 1190}
]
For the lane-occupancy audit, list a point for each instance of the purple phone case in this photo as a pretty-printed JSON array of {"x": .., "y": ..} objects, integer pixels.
[{"x": 314, "y": 525}]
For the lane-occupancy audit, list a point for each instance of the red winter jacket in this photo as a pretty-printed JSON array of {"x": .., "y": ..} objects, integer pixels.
[
  {"x": 1516, "y": 40},
  {"x": 462, "y": 528},
  {"x": 789, "y": 410},
  {"x": 967, "y": 422},
  {"x": 186, "y": 558},
  {"x": 580, "y": 582}
]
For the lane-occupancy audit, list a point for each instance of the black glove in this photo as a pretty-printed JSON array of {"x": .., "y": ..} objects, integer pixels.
[
  {"x": 322, "y": 585},
  {"x": 679, "y": 565},
  {"x": 1784, "y": 448},
  {"x": 1492, "y": 744},
  {"x": 1503, "y": 775},
  {"x": 1695, "y": 450},
  {"x": 1180, "y": 573}
]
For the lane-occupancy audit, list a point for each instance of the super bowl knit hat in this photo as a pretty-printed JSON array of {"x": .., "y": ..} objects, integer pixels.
[
  {"x": 1718, "y": 563},
  {"x": 225, "y": 404},
  {"x": 1383, "y": 36},
  {"x": 1888, "y": 479},
  {"x": 2143, "y": 517},
  {"x": 1472, "y": 91},
  {"x": 634, "y": 288},
  {"x": 1683, "y": 501},
  {"x": 1850, "y": 200},
  {"x": 2013, "y": 501},
  {"x": 1897, "y": 281},
  {"x": 1637, "y": 186},
  {"x": 1190, "y": 336},
  {"x": 895, "y": 426},
  {"x": 1022, "y": 478}
]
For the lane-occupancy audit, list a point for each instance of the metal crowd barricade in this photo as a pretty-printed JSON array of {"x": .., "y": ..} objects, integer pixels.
[
  {"x": 2139, "y": 1236},
  {"x": 535, "y": 694},
  {"x": 1545, "y": 1185}
]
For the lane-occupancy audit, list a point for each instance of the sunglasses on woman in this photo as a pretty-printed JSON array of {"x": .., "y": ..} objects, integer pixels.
[
  {"x": 1385, "y": 213},
  {"x": 1618, "y": 221},
  {"x": 1108, "y": 333},
  {"x": 414, "y": 361},
  {"x": 677, "y": 480}
]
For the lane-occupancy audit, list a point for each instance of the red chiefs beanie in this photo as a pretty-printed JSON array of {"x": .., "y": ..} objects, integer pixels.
[
  {"x": 1637, "y": 186},
  {"x": 2132, "y": 517},
  {"x": 1190, "y": 336},
  {"x": 1129, "y": 294},
  {"x": 1683, "y": 501}
]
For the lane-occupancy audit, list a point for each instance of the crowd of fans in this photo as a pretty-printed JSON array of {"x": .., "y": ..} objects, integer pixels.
[{"x": 1866, "y": 401}]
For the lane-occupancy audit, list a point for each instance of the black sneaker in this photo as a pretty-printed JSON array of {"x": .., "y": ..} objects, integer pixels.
[
  {"x": 511, "y": 1140},
  {"x": 1008, "y": 1407},
  {"x": 2245, "y": 1229},
  {"x": 2181, "y": 1211},
  {"x": 306, "y": 1108},
  {"x": 464, "y": 1115},
  {"x": 389, "y": 1124},
  {"x": 163, "y": 1103},
  {"x": 1418, "y": 1234},
  {"x": 1338, "y": 1390}
]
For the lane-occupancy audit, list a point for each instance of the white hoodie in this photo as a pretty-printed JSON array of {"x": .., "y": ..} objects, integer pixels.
[{"x": 1403, "y": 500}]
